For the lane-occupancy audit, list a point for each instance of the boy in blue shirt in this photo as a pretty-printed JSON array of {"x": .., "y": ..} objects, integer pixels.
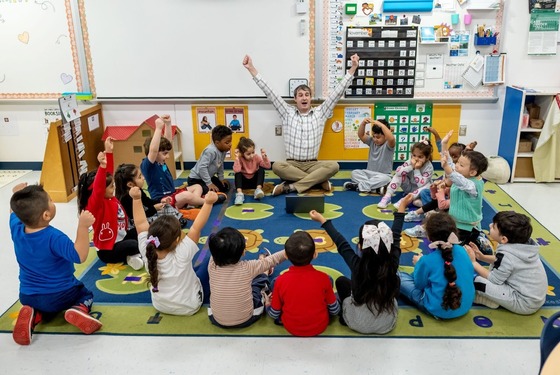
[
  {"x": 46, "y": 258},
  {"x": 208, "y": 171},
  {"x": 381, "y": 144}
]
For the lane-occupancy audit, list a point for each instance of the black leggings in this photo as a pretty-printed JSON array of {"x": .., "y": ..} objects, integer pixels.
[
  {"x": 215, "y": 180},
  {"x": 122, "y": 249},
  {"x": 344, "y": 290},
  {"x": 242, "y": 182}
]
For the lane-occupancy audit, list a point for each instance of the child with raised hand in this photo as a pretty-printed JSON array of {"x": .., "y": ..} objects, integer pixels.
[
  {"x": 159, "y": 179},
  {"x": 249, "y": 169},
  {"x": 114, "y": 241},
  {"x": 369, "y": 298},
  {"x": 303, "y": 297},
  {"x": 516, "y": 279},
  {"x": 46, "y": 258},
  {"x": 465, "y": 195},
  {"x": 380, "y": 160},
  {"x": 168, "y": 253},
  {"x": 208, "y": 172},
  {"x": 413, "y": 176},
  {"x": 128, "y": 176},
  {"x": 238, "y": 288},
  {"x": 441, "y": 283}
]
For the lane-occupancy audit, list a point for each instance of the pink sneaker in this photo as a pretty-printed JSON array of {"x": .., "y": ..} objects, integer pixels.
[
  {"x": 384, "y": 202},
  {"x": 81, "y": 319},
  {"x": 26, "y": 321}
]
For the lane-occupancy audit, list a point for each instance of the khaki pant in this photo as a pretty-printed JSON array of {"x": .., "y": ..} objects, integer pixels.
[{"x": 305, "y": 174}]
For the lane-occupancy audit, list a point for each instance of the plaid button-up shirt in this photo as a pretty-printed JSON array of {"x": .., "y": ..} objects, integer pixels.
[{"x": 303, "y": 132}]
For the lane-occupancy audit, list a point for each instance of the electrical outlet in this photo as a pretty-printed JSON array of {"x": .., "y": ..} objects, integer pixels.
[
  {"x": 462, "y": 130},
  {"x": 278, "y": 129}
]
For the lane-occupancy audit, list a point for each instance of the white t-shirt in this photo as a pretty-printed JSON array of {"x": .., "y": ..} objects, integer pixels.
[{"x": 180, "y": 290}]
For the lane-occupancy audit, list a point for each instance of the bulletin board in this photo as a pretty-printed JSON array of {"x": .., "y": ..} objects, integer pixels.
[
  {"x": 39, "y": 57},
  {"x": 444, "y": 118},
  {"x": 205, "y": 118},
  {"x": 439, "y": 65},
  {"x": 194, "y": 49}
]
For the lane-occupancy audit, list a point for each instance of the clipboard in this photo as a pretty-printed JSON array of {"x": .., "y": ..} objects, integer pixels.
[{"x": 494, "y": 69}]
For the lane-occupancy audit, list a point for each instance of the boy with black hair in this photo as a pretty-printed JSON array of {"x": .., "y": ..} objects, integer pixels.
[
  {"x": 381, "y": 144},
  {"x": 208, "y": 171},
  {"x": 237, "y": 286},
  {"x": 303, "y": 297},
  {"x": 465, "y": 195},
  {"x": 46, "y": 258},
  {"x": 157, "y": 175},
  {"x": 516, "y": 279}
]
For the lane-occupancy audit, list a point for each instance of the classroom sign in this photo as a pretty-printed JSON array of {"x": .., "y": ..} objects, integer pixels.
[{"x": 409, "y": 123}]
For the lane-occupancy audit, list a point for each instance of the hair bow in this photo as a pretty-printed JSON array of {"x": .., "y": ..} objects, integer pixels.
[
  {"x": 372, "y": 236},
  {"x": 451, "y": 240},
  {"x": 424, "y": 142},
  {"x": 154, "y": 240}
]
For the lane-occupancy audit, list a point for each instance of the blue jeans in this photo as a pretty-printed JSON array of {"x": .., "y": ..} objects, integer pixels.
[
  {"x": 52, "y": 303},
  {"x": 410, "y": 292},
  {"x": 425, "y": 196},
  {"x": 200, "y": 266}
]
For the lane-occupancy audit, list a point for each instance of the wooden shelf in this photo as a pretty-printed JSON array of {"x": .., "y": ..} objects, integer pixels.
[
  {"x": 530, "y": 130},
  {"x": 525, "y": 154}
]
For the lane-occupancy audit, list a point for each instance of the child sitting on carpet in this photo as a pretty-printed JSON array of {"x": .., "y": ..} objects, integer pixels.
[
  {"x": 369, "y": 299},
  {"x": 516, "y": 278},
  {"x": 176, "y": 288},
  {"x": 441, "y": 283},
  {"x": 159, "y": 179},
  {"x": 114, "y": 241},
  {"x": 237, "y": 287},
  {"x": 414, "y": 175},
  {"x": 381, "y": 144},
  {"x": 208, "y": 172},
  {"x": 128, "y": 176},
  {"x": 303, "y": 297},
  {"x": 249, "y": 169},
  {"x": 46, "y": 258}
]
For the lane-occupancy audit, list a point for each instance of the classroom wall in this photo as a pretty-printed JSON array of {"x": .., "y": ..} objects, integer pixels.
[{"x": 483, "y": 120}]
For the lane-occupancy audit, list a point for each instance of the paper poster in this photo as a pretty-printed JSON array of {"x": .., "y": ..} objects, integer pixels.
[
  {"x": 353, "y": 117},
  {"x": 235, "y": 119},
  {"x": 434, "y": 65},
  {"x": 543, "y": 30},
  {"x": 206, "y": 119},
  {"x": 69, "y": 107}
]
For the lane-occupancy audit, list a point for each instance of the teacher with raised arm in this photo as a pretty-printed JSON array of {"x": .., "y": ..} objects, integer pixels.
[{"x": 303, "y": 128}]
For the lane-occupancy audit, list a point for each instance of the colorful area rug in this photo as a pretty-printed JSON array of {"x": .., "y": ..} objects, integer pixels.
[{"x": 122, "y": 300}]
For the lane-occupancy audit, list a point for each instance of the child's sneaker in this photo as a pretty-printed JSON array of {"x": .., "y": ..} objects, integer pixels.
[
  {"x": 239, "y": 199},
  {"x": 221, "y": 198},
  {"x": 413, "y": 216},
  {"x": 27, "y": 320},
  {"x": 384, "y": 202},
  {"x": 485, "y": 245},
  {"x": 349, "y": 185},
  {"x": 485, "y": 301},
  {"x": 416, "y": 231},
  {"x": 135, "y": 262},
  {"x": 417, "y": 202},
  {"x": 79, "y": 317},
  {"x": 397, "y": 205},
  {"x": 259, "y": 194}
]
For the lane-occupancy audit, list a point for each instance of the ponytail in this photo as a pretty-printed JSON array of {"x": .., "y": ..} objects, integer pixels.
[
  {"x": 84, "y": 189},
  {"x": 151, "y": 255},
  {"x": 452, "y": 294}
]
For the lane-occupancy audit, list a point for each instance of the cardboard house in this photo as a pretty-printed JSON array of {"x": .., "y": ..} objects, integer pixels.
[{"x": 128, "y": 144}]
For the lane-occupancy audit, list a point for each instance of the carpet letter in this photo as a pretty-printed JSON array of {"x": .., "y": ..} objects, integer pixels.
[
  {"x": 417, "y": 322},
  {"x": 482, "y": 321},
  {"x": 154, "y": 319}
]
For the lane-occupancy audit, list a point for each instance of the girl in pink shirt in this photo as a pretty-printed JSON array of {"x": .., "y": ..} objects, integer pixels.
[{"x": 249, "y": 169}]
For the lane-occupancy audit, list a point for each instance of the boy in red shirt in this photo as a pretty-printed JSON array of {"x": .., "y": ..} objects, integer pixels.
[{"x": 303, "y": 297}]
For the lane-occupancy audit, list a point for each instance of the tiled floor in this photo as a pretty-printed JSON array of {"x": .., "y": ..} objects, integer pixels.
[{"x": 99, "y": 354}]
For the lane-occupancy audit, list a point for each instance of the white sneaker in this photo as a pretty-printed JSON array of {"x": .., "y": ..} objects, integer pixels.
[
  {"x": 397, "y": 205},
  {"x": 416, "y": 231},
  {"x": 239, "y": 199},
  {"x": 135, "y": 262},
  {"x": 384, "y": 202},
  {"x": 413, "y": 216},
  {"x": 485, "y": 301},
  {"x": 259, "y": 194}
]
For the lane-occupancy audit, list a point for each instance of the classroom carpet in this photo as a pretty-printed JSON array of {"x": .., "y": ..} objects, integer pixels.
[
  {"x": 122, "y": 300},
  {"x": 9, "y": 176}
]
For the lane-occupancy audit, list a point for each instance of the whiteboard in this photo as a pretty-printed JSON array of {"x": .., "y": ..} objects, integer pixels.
[
  {"x": 38, "y": 57},
  {"x": 194, "y": 48}
]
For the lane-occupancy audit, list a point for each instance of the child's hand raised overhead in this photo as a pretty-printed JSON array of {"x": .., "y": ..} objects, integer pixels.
[
  {"x": 446, "y": 139},
  {"x": 210, "y": 198},
  {"x": 102, "y": 159},
  {"x": 166, "y": 119},
  {"x": 316, "y": 216},
  {"x": 86, "y": 219},
  {"x": 135, "y": 193},
  {"x": 159, "y": 124},
  {"x": 109, "y": 144},
  {"x": 20, "y": 186}
]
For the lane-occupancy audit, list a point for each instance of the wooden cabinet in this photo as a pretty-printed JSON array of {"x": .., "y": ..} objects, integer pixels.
[{"x": 517, "y": 138}]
